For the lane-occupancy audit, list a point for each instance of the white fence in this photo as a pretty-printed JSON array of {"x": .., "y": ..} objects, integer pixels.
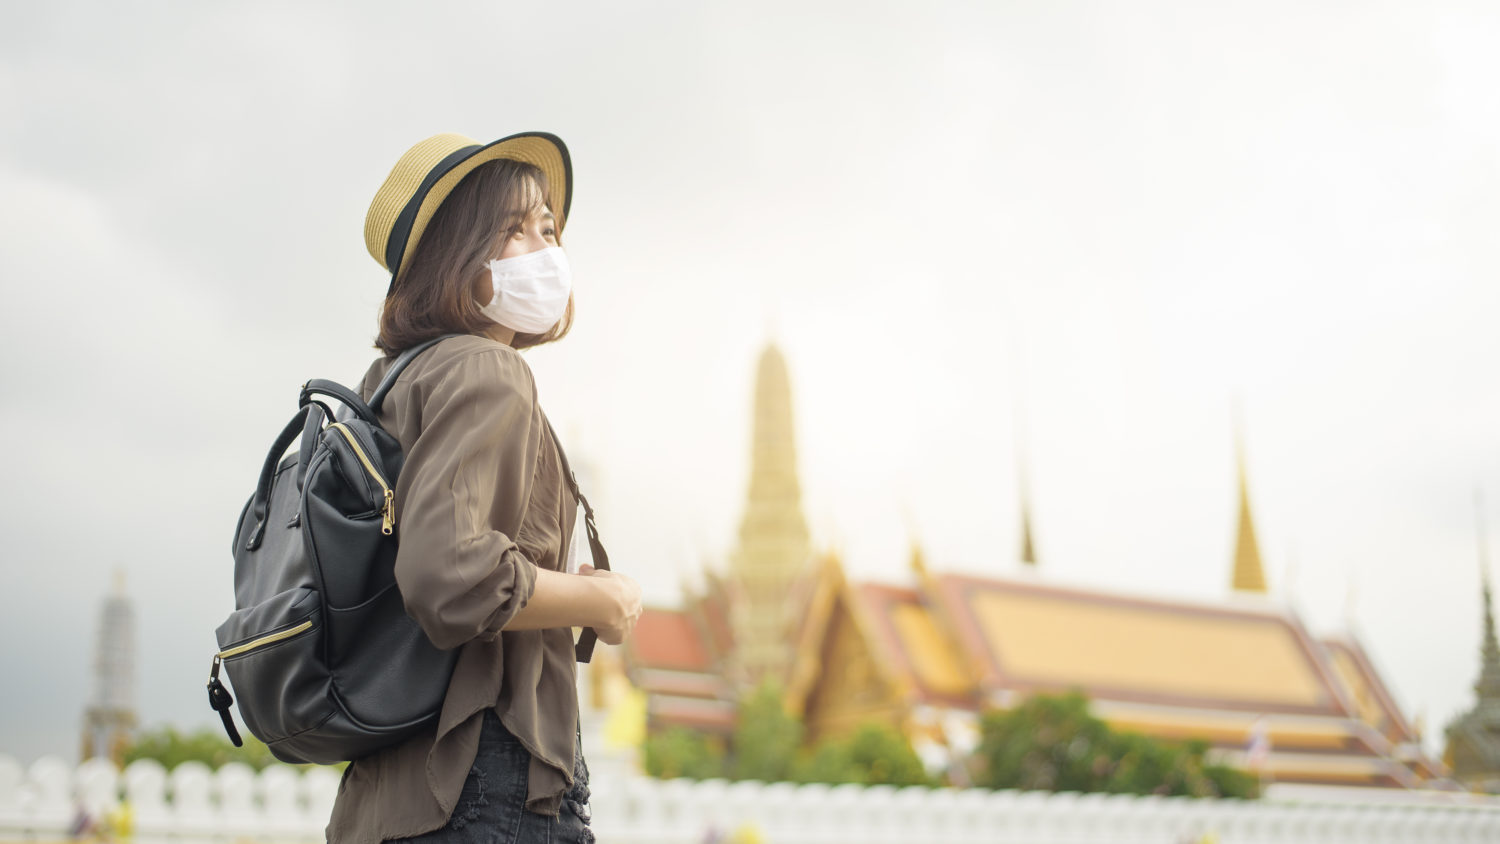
[{"x": 192, "y": 804}]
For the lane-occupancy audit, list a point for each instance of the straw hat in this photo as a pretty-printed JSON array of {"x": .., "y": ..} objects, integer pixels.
[{"x": 429, "y": 171}]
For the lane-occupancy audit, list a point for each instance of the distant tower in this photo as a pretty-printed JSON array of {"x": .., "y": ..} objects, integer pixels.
[
  {"x": 109, "y": 721},
  {"x": 1023, "y": 486},
  {"x": 1249, "y": 574},
  {"x": 1474, "y": 737},
  {"x": 1028, "y": 545},
  {"x": 774, "y": 547}
]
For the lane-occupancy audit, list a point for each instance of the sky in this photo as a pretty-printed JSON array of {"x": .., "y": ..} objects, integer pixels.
[{"x": 1078, "y": 239}]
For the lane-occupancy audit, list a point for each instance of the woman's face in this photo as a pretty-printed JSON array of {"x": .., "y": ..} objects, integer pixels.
[{"x": 537, "y": 231}]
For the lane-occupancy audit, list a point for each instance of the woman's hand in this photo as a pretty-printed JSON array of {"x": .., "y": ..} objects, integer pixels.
[
  {"x": 608, "y": 602},
  {"x": 624, "y": 605}
]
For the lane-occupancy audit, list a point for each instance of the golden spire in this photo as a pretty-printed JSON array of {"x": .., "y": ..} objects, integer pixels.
[
  {"x": 774, "y": 546},
  {"x": 1028, "y": 549},
  {"x": 918, "y": 561},
  {"x": 1028, "y": 545},
  {"x": 1249, "y": 574},
  {"x": 1023, "y": 485},
  {"x": 1488, "y": 686}
]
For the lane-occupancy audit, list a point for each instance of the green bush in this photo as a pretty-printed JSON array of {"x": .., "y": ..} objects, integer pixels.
[
  {"x": 207, "y": 745},
  {"x": 874, "y": 754},
  {"x": 766, "y": 737},
  {"x": 767, "y": 746},
  {"x": 684, "y": 753},
  {"x": 1054, "y": 743}
]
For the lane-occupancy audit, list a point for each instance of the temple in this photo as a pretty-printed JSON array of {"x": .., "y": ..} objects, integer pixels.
[
  {"x": 109, "y": 721},
  {"x": 773, "y": 549},
  {"x": 931, "y": 654},
  {"x": 1474, "y": 737}
]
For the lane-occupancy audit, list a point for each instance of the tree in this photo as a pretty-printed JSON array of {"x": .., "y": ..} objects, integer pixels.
[
  {"x": 874, "y": 754},
  {"x": 766, "y": 737},
  {"x": 684, "y": 753},
  {"x": 1055, "y": 743},
  {"x": 767, "y": 747},
  {"x": 209, "y": 746}
]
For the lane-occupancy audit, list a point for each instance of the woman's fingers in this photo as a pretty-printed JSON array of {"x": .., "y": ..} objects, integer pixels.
[{"x": 625, "y": 594}]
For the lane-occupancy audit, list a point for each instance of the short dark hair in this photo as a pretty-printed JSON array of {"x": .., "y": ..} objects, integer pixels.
[{"x": 433, "y": 295}]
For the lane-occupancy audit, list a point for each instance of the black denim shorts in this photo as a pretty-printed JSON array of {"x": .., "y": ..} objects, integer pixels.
[{"x": 492, "y": 807}]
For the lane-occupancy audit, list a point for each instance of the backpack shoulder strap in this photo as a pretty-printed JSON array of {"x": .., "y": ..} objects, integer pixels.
[
  {"x": 583, "y": 649},
  {"x": 406, "y": 357}
]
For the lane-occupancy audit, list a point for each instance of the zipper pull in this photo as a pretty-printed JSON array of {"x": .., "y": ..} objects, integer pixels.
[
  {"x": 388, "y": 514},
  {"x": 220, "y": 700}
]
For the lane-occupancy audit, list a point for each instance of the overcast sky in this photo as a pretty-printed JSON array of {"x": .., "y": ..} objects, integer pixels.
[{"x": 1105, "y": 224}]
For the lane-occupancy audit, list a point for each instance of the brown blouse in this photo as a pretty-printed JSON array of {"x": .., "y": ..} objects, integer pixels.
[{"x": 480, "y": 504}]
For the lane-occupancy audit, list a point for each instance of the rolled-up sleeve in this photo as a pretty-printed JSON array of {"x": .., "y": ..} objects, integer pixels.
[{"x": 461, "y": 497}]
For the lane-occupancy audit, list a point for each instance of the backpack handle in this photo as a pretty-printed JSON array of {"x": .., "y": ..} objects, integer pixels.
[
  {"x": 259, "y": 504},
  {"x": 346, "y": 396},
  {"x": 317, "y": 414}
]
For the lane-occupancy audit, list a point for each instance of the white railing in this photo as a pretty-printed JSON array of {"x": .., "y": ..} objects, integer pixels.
[{"x": 193, "y": 804}]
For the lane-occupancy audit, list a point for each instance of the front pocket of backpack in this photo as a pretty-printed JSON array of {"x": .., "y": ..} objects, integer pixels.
[{"x": 275, "y": 666}]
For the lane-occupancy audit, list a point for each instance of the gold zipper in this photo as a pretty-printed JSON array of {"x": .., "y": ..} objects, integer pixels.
[
  {"x": 269, "y": 639},
  {"x": 388, "y": 510}
]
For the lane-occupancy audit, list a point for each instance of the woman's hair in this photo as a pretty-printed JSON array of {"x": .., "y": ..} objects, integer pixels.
[{"x": 434, "y": 294}]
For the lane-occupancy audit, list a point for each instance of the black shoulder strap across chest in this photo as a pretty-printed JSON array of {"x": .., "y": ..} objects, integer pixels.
[{"x": 584, "y": 649}]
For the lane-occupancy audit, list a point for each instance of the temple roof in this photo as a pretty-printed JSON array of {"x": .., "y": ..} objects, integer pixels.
[
  {"x": 1171, "y": 669},
  {"x": 1029, "y": 637},
  {"x": 670, "y": 657},
  {"x": 917, "y": 650},
  {"x": 1168, "y": 668},
  {"x": 1369, "y": 699},
  {"x": 668, "y": 639}
]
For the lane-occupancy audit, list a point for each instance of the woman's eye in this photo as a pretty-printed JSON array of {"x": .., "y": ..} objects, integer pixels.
[{"x": 550, "y": 233}]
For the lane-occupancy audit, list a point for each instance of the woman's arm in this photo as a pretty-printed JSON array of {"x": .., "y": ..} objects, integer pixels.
[
  {"x": 460, "y": 501},
  {"x": 604, "y": 600},
  {"x": 463, "y": 492}
]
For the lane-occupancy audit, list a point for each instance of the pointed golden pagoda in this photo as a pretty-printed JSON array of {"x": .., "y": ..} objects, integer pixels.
[
  {"x": 1028, "y": 545},
  {"x": 918, "y": 562},
  {"x": 1028, "y": 548},
  {"x": 1249, "y": 574},
  {"x": 774, "y": 547}
]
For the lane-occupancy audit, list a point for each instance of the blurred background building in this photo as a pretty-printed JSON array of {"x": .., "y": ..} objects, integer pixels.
[
  {"x": 109, "y": 721},
  {"x": 1242, "y": 673},
  {"x": 1474, "y": 737}
]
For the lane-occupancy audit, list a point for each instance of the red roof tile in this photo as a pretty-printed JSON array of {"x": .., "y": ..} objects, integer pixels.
[{"x": 667, "y": 639}]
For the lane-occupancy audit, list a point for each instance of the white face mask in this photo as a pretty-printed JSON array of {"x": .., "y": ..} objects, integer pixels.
[{"x": 531, "y": 290}]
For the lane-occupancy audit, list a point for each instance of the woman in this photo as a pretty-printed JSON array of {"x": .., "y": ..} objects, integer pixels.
[{"x": 486, "y": 515}]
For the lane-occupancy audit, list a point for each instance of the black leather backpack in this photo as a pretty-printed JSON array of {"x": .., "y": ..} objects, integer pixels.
[{"x": 327, "y": 664}]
